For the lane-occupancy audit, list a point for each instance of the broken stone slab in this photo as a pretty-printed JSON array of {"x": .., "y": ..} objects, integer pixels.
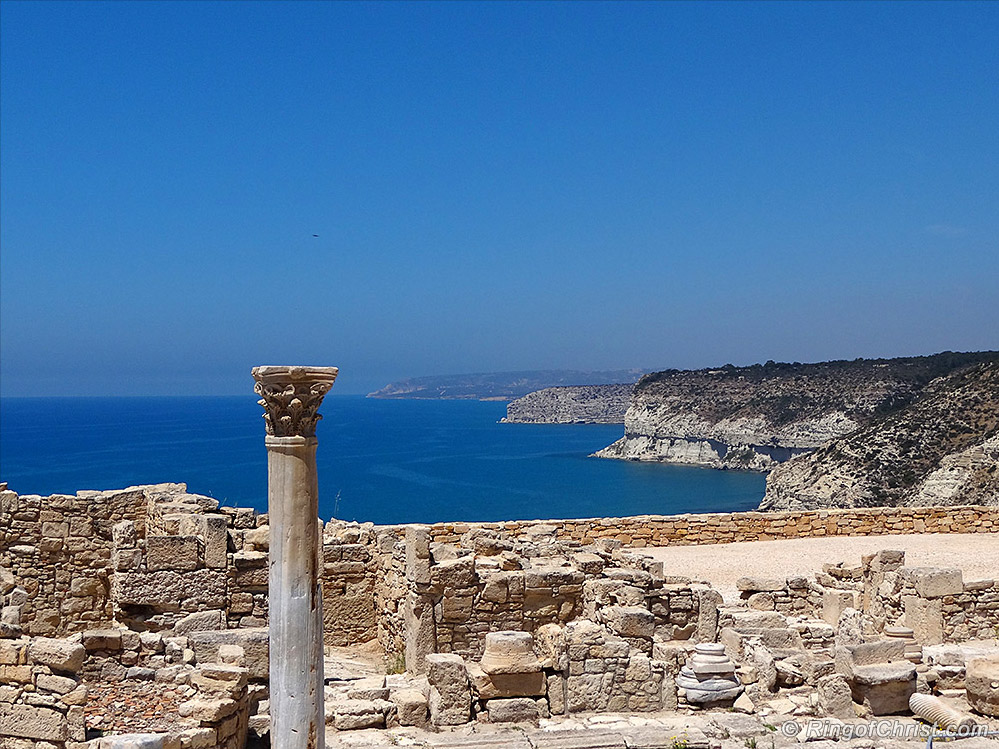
[
  {"x": 884, "y": 687},
  {"x": 450, "y": 694},
  {"x": 582, "y": 739},
  {"x": 629, "y": 621},
  {"x": 253, "y": 641},
  {"x": 662, "y": 738},
  {"x": 509, "y": 652},
  {"x": 479, "y": 740},
  {"x": 182, "y": 553},
  {"x": 200, "y": 621},
  {"x": 33, "y": 722}
]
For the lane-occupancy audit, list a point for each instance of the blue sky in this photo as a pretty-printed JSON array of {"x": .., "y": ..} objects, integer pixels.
[{"x": 494, "y": 187}]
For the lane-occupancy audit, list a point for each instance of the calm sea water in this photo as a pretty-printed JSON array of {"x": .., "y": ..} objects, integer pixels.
[{"x": 388, "y": 461}]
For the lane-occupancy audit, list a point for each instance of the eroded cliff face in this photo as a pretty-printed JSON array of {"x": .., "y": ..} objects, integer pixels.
[
  {"x": 758, "y": 417},
  {"x": 943, "y": 449},
  {"x": 590, "y": 404}
]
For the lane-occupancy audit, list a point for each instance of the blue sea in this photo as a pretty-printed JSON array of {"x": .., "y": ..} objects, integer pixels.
[{"x": 387, "y": 461}]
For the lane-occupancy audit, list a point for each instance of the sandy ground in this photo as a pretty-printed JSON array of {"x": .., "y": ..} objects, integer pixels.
[{"x": 977, "y": 554}]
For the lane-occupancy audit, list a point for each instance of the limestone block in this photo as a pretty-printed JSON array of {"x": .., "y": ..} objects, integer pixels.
[
  {"x": 418, "y": 554},
  {"x": 708, "y": 601},
  {"x": 253, "y": 641},
  {"x": 219, "y": 679},
  {"x": 102, "y": 639},
  {"x": 981, "y": 683},
  {"x": 761, "y": 602},
  {"x": 56, "y": 684},
  {"x": 835, "y": 602},
  {"x": 123, "y": 534},
  {"x": 454, "y": 573},
  {"x": 450, "y": 695},
  {"x": 7, "y": 581},
  {"x": 509, "y": 652},
  {"x": 173, "y": 553},
  {"x": 214, "y": 532},
  {"x": 169, "y": 586},
  {"x": 835, "y": 697},
  {"x": 934, "y": 582},
  {"x": 59, "y": 655},
  {"x": 352, "y": 715},
  {"x": 33, "y": 722},
  {"x": 758, "y": 584},
  {"x": 207, "y": 710},
  {"x": 133, "y": 741},
  {"x": 199, "y": 621},
  {"x": 513, "y": 710},
  {"x": 884, "y": 687},
  {"x": 412, "y": 707},
  {"x": 629, "y": 621},
  {"x": 488, "y": 687},
  {"x": 421, "y": 631},
  {"x": 925, "y": 618}
]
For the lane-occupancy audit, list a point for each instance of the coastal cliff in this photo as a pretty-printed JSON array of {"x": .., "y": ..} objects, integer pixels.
[
  {"x": 498, "y": 386},
  {"x": 593, "y": 404},
  {"x": 757, "y": 417},
  {"x": 943, "y": 449}
]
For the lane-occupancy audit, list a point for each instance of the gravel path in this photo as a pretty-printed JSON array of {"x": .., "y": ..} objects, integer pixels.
[{"x": 977, "y": 554}]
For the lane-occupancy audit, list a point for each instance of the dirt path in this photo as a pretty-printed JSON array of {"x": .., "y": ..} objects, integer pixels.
[{"x": 977, "y": 554}]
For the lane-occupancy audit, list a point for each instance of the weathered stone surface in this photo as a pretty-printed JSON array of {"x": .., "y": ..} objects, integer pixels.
[
  {"x": 934, "y": 582},
  {"x": 756, "y": 584},
  {"x": 200, "y": 621},
  {"x": 206, "y": 586},
  {"x": 412, "y": 707},
  {"x": 981, "y": 683},
  {"x": 513, "y": 710},
  {"x": 133, "y": 741},
  {"x": 450, "y": 695},
  {"x": 352, "y": 715},
  {"x": 31, "y": 722},
  {"x": 491, "y": 686},
  {"x": 59, "y": 655},
  {"x": 630, "y": 621},
  {"x": 173, "y": 553},
  {"x": 835, "y": 697},
  {"x": 102, "y": 639},
  {"x": 509, "y": 652},
  {"x": 254, "y": 643}
]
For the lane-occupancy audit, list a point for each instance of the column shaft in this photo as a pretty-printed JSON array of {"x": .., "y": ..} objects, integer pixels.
[{"x": 296, "y": 618}]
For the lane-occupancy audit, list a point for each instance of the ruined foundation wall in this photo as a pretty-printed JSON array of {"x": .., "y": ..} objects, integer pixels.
[{"x": 732, "y": 527}]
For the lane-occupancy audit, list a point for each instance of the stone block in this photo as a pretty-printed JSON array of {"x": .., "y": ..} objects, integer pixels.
[
  {"x": 629, "y": 621},
  {"x": 102, "y": 639},
  {"x": 173, "y": 553},
  {"x": 33, "y": 722},
  {"x": 835, "y": 602},
  {"x": 59, "y": 655},
  {"x": 207, "y": 587},
  {"x": 207, "y": 710},
  {"x": 835, "y": 697},
  {"x": 450, "y": 695},
  {"x": 925, "y": 618},
  {"x": 56, "y": 684},
  {"x": 513, "y": 710},
  {"x": 133, "y": 741},
  {"x": 759, "y": 584},
  {"x": 412, "y": 707},
  {"x": 935, "y": 582},
  {"x": 123, "y": 534},
  {"x": 352, "y": 715},
  {"x": 885, "y": 688},
  {"x": 199, "y": 621},
  {"x": 421, "y": 631},
  {"x": 253, "y": 641},
  {"x": 981, "y": 683}
]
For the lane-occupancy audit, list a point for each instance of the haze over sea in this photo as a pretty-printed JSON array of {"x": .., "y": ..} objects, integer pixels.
[{"x": 387, "y": 461}]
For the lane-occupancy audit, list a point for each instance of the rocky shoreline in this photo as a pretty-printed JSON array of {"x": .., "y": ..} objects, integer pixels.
[{"x": 587, "y": 404}]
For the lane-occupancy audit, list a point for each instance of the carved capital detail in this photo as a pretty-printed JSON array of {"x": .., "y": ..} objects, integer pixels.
[{"x": 291, "y": 397}]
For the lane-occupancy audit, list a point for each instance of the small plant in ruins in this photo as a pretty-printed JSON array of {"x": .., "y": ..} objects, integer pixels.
[
  {"x": 679, "y": 742},
  {"x": 750, "y": 743},
  {"x": 395, "y": 663}
]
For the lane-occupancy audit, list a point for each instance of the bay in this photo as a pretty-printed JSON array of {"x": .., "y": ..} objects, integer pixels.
[{"x": 386, "y": 461}]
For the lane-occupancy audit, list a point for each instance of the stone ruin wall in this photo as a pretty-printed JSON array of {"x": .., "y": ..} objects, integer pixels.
[
  {"x": 733, "y": 527},
  {"x": 154, "y": 578}
]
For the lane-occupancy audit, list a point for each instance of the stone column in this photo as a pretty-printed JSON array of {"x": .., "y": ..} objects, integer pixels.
[{"x": 291, "y": 397}]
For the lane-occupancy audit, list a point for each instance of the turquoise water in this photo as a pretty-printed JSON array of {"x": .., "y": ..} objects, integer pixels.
[{"x": 388, "y": 461}]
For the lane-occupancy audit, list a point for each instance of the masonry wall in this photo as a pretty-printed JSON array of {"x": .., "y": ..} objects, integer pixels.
[{"x": 722, "y": 528}]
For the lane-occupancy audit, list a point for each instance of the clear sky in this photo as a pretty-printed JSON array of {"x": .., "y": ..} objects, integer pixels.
[{"x": 494, "y": 186}]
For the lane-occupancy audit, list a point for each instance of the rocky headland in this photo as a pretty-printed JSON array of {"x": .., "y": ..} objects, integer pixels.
[
  {"x": 499, "y": 386},
  {"x": 759, "y": 416},
  {"x": 943, "y": 449},
  {"x": 587, "y": 404}
]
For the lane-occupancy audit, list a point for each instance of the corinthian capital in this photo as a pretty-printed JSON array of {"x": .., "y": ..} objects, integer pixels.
[{"x": 291, "y": 397}]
